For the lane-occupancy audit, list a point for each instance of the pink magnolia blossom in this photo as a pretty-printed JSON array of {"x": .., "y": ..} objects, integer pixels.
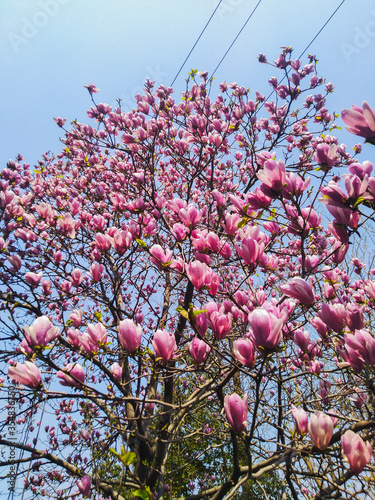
[
  {"x": 221, "y": 324},
  {"x": 325, "y": 155},
  {"x": 33, "y": 279},
  {"x": 26, "y": 374},
  {"x": 321, "y": 429},
  {"x": 299, "y": 289},
  {"x": 72, "y": 376},
  {"x": 199, "y": 350},
  {"x": 243, "y": 349},
  {"x": 360, "y": 121},
  {"x": 76, "y": 317},
  {"x": 164, "y": 345},
  {"x": 15, "y": 261},
  {"x": 84, "y": 485},
  {"x": 76, "y": 277},
  {"x": 266, "y": 328},
  {"x": 236, "y": 410},
  {"x": 198, "y": 273},
  {"x": 250, "y": 250},
  {"x": 302, "y": 339},
  {"x": 116, "y": 370},
  {"x": 273, "y": 174},
  {"x": 41, "y": 332},
  {"x": 97, "y": 333},
  {"x": 356, "y": 451},
  {"x": 96, "y": 271},
  {"x": 129, "y": 335},
  {"x": 300, "y": 418},
  {"x": 160, "y": 257}
]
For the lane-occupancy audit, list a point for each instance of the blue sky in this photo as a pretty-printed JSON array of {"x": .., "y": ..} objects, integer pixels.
[{"x": 49, "y": 49}]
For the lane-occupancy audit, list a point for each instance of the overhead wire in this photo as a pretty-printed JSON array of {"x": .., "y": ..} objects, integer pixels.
[
  {"x": 234, "y": 41},
  {"x": 204, "y": 29}
]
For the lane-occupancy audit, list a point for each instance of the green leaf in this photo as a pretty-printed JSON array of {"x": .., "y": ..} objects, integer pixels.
[
  {"x": 195, "y": 313},
  {"x": 183, "y": 312},
  {"x": 146, "y": 494},
  {"x": 141, "y": 243},
  {"x": 127, "y": 458},
  {"x": 359, "y": 201},
  {"x": 98, "y": 315},
  {"x": 242, "y": 222}
]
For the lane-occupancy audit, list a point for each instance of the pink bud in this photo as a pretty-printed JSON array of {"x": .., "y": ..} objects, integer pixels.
[
  {"x": 96, "y": 271},
  {"x": 243, "y": 349},
  {"x": 72, "y": 376},
  {"x": 356, "y": 451},
  {"x": 266, "y": 328},
  {"x": 76, "y": 277},
  {"x": 302, "y": 339},
  {"x": 97, "y": 333},
  {"x": 27, "y": 374},
  {"x": 41, "y": 332},
  {"x": 321, "y": 429},
  {"x": 33, "y": 279},
  {"x": 221, "y": 324},
  {"x": 164, "y": 345},
  {"x": 76, "y": 317},
  {"x": 116, "y": 370},
  {"x": 297, "y": 288},
  {"x": 16, "y": 261},
  {"x": 84, "y": 486},
  {"x": 161, "y": 258},
  {"x": 236, "y": 410},
  {"x": 300, "y": 418},
  {"x": 129, "y": 335},
  {"x": 199, "y": 350}
]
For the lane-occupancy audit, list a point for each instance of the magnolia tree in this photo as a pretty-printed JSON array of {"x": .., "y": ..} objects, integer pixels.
[{"x": 180, "y": 314}]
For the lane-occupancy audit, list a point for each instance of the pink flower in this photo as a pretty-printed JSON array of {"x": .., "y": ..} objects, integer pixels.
[
  {"x": 302, "y": 339},
  {"x": 221, "y": 324},
  {"x": 321, "y": 429},
  {"x": 41, "y": 332},
  {"x": 76, "y": 277},
  {"x": 26, "y": 374},
  {"x": 161, "y": 258},
  {"x": 197, "y": 272},
  {"x": 116, "y": 370},
  {"x": 97, "y": 333},
  {"x": 164, "y": 345},
  {"x": 76, "y": 317},
  {"x": 243, "y": 349},
  {"x": 199, "y": 350},
  {"x": 33, "y": 279},
  {"x": 273, "y": 174},
  {"x": 129, "y": 335},
  {"x": 266, "y": 328},
  {"x": 297, "y": 288},
  {"x": 300, "y": 418},
  {"x": 250, "y": 250},
  {"x": 84, "y": 486},
  {"x": 16, "y": 261},
  {"x": 360, "y": 121},
  {"x": 72, "y": 376},
  {"x": 325, "y": 155},
  {"x": 356, "y": 451},
  {"x": 333, "y": 316},
  {"x": 236, "y": 410},
  {"x": 96, "y": 271}
]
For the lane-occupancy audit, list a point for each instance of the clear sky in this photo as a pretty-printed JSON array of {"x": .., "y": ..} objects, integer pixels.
[{"x": 49, "y": 49}]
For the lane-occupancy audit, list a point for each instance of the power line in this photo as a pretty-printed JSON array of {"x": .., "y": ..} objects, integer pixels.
[
  {"x": 322, "y": 28},
  {"x": 234, "y": 41},
  {"x": 187, "y": 57}
]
